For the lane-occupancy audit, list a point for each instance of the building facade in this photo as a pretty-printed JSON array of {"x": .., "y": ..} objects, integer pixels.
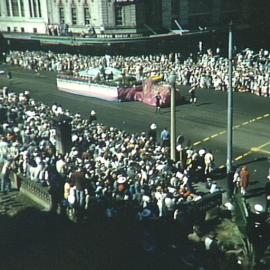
[
  {"x": 36, "y": 16},
  {"x": 125, "y": 16}
]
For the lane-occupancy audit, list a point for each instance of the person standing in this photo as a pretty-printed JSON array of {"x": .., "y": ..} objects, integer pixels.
[
  {"x": 244, "y": 180},
  {"x": 267, "y": 193},
  {"x": 152, "y": 133},
  {"x": 6, "y": 183},
  {"x": 165, "y": 138},
  {"x": 193, "y": 99},
  {"x": 158, "y": 102}
]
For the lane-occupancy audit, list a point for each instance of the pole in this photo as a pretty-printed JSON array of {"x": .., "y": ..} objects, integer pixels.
[
  {"x": 173, "y": 122},
  {"x": 230, "y": 105}
]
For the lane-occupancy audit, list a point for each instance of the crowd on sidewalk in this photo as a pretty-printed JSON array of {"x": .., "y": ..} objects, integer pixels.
[
  {"x": 205, "y": 70},
  {"x": 104, "y": 163}
]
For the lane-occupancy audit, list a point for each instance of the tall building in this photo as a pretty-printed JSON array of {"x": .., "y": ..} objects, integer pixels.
[
  {"x": 35, "y": 16},
  {"x": 126, "y": 16}
]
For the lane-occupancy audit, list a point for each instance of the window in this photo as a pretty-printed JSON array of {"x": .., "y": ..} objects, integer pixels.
[
  {"x": 118, "y": 16},
  {"x": 30, "y": 8},
  {"x": 35, "y": 30},
  {"x": 22, "y": 29},
  {"x": 35, "y": 8},
  {"x": 15, "y": 29},
  {"x": 8, "y": 7},
  {"x": 8, "y": 29},
  {"x": 39, "y": 9},
  {"x": 73, "y": 15},
  {"x": 86, "y": 16},
  {"x": 22, "y": 8},
  {"x": 61, "y": 15},
  {"x": 15, "y": 8}
]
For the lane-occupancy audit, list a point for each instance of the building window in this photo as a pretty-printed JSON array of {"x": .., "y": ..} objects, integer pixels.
[
  {"x": 73, "y": 15},
  {"x": 15, "y": 29},
  {"x": 22, "y": 8},
  {"x": 35, "y": 30},
  {"x": 86, "y": 16},
  {"x": 22, "y": 29},
  {"x": 35, "y": 8},
  {"x": 8, "y": 7},
  {"x": 15, "y": 8},
  {"x": 8, "y": 28},
  {"x": 39, "y": 9},
  {"x": 118, "y": 16},
  {"x": 61, "y": 15},
  {"x": 30, "y": 8}
]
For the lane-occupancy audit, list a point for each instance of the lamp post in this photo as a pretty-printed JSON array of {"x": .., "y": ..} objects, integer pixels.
[
  {"x": 172, "y": 80},
  {"x": 230, "y": 106}
]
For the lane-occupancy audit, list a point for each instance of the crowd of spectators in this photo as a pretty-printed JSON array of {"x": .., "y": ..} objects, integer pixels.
[
  {"x": 103, "y": 164},
  {"x": 205, "y": 69}
]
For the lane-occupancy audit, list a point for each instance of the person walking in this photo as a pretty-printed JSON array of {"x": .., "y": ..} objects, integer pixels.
[
  {"x": 244, "y": 179},
  {"x": 158, "y": 102}
]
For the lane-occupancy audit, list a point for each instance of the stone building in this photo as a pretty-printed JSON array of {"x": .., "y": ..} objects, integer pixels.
[{"x": 125, "y": 16}]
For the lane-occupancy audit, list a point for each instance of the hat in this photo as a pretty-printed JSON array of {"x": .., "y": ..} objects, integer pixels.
[
  {"x": 153, "y": 126},
  {"x": 146, "y": 213},
  {"x": 258, "y": 208},
  {"x": 121, "y": 180},
  {"x": 92, "y": 112}
]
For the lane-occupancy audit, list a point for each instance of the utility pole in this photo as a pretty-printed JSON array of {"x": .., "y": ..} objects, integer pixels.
[
  {"x": 230, "y": 106},
  {"x": 172, "y": 80}
]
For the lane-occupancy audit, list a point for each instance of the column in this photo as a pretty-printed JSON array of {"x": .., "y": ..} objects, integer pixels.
[
  {"x": 26, "y": 8},
  {"x": 20, "y": 8},
  {"x": 80, "y": 13},
  {"x": 67, "y": 8},
  {"x": 4, "y": 9},
  {"x": 10, "y": 8}
]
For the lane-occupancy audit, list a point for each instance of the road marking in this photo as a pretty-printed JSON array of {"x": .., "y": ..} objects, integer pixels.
[
  {"x": 234, "y": 127},
  {"x": 258, "y": 150},
  {"x": 196, "y": 143}
]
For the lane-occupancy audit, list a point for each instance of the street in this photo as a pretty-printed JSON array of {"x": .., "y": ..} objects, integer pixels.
[{"x": 204, "y": 126}]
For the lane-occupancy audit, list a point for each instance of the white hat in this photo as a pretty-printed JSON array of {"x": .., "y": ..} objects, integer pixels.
[
  {"x": 153, "y": 126},
  {"x": 93, "y": 112},
  {"x": 121, "y": 180},
  {"x": 258, "y": 208}
]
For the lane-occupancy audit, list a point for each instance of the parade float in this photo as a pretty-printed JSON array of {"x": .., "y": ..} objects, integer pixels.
[{"x": 111, "y": 85}]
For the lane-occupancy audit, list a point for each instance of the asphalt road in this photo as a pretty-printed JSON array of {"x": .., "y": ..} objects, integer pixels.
[{"x": 204, "y": 125}]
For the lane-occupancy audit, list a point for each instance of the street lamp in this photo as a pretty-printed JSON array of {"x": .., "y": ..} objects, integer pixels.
[{"x": 172, "y": 80}]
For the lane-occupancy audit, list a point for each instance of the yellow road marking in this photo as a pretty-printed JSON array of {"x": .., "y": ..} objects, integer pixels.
[
  {"x": 234, "y": 127},
  {"x": 196, "y": 143}
]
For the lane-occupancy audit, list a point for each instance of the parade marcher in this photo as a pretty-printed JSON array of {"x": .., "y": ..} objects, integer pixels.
[
  {"x": 158, "y": 102},
  {"x": 209, "y": 162},
  {"x": 244, "y": 179}
]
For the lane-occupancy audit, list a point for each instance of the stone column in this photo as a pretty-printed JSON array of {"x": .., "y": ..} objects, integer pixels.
[
  {"x": 67, "y": 10},
  {"x": 10, "y": 8},
  {"x": 26, "y": 9},
  {"x": 80, "y": 13},
  {"x": 4, "y": 8},
  {"x": 20, "y": 8}
]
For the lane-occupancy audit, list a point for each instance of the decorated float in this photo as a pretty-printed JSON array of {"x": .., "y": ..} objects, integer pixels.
[{"x": 112, "y": 85}]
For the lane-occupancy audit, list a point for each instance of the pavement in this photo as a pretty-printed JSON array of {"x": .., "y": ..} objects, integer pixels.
[{"x": 203, "y": 126}]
